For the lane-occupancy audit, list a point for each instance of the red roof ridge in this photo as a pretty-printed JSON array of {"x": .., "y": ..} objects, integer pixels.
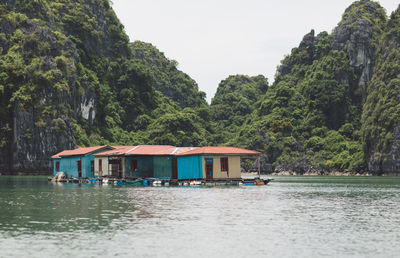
[
  {"x": 220, "y": 150},
  {"x": 118, "y": 151},
  {"x": 79, "y": 151},
  {"x": 158, "y": 150}
]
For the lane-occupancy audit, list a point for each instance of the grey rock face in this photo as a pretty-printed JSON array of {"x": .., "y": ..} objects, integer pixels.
[
  {"x": 386, "y": 162},
  {"x": 37, "y": 131},
  {"x": 385, "y": 158},
  {"x": 32, "y": 143},
  {"x": 356, "y": 36}
]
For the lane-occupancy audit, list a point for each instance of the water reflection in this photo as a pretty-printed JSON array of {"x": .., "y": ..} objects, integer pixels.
[
  {"x": 28, "y": 208},
  {"x": 291, "y": 217}
]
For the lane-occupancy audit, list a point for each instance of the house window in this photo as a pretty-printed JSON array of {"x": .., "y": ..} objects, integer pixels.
[
  {"x": 92, "y": 165},
  {"x": 224, "y": 164},
  {"x": 58, "y": 166},
  {"x": 134, "y": 165},
  {"x": 101, "y": 165}
]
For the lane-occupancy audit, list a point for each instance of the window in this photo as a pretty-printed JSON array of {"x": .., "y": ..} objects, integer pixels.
[
  {"x": 224, "y": 164},
  {"x": 101, "y": 165},
  {"x": 92, "y": 165},
  {"x": 134, "y": 165},
  {"x": 58, "y": 166}
]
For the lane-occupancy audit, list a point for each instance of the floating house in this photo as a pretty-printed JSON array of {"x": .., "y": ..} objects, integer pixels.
[
  {"x": 212, "y": 163},
  {"x": 77, "y": 163},
  {"x": 158, "y": 161},
  {"x": 169, "y": 162},
  {"x": 152, "y": 161}
]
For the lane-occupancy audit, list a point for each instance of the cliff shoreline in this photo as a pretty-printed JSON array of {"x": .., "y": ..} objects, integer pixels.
[{"x": 321, "y": 173}]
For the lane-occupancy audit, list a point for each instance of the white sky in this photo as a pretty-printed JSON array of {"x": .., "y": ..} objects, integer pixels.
[{"x": 212, "y": 39}]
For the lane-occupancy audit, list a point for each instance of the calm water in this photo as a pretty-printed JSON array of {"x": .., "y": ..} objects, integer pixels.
[{"x": 290, "y": 217}]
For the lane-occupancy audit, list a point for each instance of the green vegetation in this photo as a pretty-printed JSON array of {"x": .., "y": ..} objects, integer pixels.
[
  {"x": 167, "y": 78},
  {"x": 310, "y": 118},
  {"x": 69, "y": 75},
  {"x": 380, "y": 118},
  {"x": 233, "y": 102},
  {"x": 61, "y": 57}
]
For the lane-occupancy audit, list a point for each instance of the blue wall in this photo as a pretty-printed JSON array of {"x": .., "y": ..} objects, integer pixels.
[
  {"x": 145, "y": 166},
  {"x": 69, "y": 164},
  {"x": 149, "y": 166},
  {"x": 162, "y": 167},
  {"x": 190, "y": 167},
  {"x": 86, "y": 172}
]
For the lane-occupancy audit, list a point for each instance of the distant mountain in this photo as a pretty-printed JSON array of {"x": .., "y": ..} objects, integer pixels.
[
  {"x": 233, "y": 102},
  {"x": 310, "y": 119},
  {"x": 69, "y": 77},
  {"x": 170, "y": 81},
  {"x": 380, "y": 129}
]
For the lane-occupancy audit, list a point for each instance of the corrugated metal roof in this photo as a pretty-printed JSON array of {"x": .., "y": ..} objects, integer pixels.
[
  {"x": 118, "y": 150},
  {"x": 180, "y": 150},
  {"x": 157, "y": 150},
  {"x": 79, "y": 151},
  {"x": 219, "y": 150}
]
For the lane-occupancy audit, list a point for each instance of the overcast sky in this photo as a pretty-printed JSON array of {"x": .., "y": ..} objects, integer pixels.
[{"x": 212, "y": 39}]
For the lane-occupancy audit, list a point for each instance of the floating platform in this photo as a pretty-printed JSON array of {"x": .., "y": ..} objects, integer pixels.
[{"x": 164, "y": 182}]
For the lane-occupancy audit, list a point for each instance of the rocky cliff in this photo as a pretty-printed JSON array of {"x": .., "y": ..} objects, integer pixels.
[
  {"x": 358, "y": 35},
  {"x": 69, "y": 77},
  {"x": 381, "y": 113},
  {"x": 57, "y": 60},
  {"x": 310, "y": 118}
]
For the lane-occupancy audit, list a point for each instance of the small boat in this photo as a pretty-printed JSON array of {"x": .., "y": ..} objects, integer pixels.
[
  {"x": 248, "y": 183},
  {"x": 138, "y": 181},
  {"x": 220, "y": 183},
  {"x": 157, "y": 182}
]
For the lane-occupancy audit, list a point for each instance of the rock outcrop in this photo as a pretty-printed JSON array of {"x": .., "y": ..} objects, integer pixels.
[
  {"x": 358, "y": 35},
  {"x": 381, "y": 112},
  {"x": 54, "y": 55},
  {"x": 310, "y": 118},
  {"x": 40, "y": 110}
]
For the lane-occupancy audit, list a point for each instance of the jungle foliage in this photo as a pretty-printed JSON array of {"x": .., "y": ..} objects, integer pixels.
[
  {"x": 310, "y": 118},
  {"x": 57, "y": 57},
  {"x": 381, "y": 112},
  {"x": 140, "y": 96}
]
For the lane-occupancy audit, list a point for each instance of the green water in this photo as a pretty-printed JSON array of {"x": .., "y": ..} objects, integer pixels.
[{"x": 290, "y": 217}]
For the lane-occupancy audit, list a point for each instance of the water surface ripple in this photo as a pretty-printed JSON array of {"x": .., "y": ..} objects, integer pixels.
[{"x": 290, "y": 217}]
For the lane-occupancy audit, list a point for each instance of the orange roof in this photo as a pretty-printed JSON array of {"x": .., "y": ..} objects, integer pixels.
[
  {"x": 79, "y": 151},
  {"x": 118, "y": 150},
  {"x": 181, "y": 150},
  {"x": 168, "y": 150},
  {"x": 154, "y": 150},
  {"x": 159, "y": 150},
  {"x": 219, "y": 150}
]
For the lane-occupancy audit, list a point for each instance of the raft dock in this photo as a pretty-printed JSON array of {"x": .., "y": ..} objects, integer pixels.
[{"x": 162, "y": 182}]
